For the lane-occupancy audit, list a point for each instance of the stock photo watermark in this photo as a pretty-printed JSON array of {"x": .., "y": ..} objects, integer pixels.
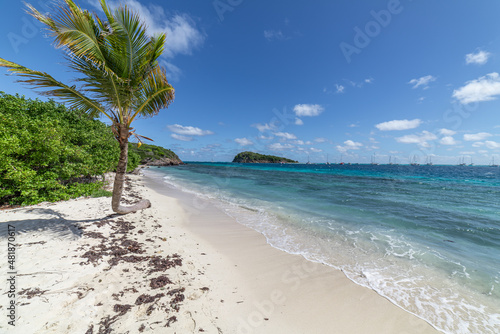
[
  {"x": 11, "y": 275},
  {"x": 363, "y": 36},
  {"x": 223, "y": 6},
  {"x": 29, "y": 29}
]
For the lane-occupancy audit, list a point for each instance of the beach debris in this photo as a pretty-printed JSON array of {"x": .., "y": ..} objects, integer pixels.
[
  {"x": 30, "y": 293},
  {"x": 160, "y": 282},
  {"x": 146, "y": 299},
  {"x": 122, "y": 309},
  {"x": 170, "y": 320}
]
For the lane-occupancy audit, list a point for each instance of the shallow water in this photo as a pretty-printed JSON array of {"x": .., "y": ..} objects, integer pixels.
[{"x": 425, "y": 237}]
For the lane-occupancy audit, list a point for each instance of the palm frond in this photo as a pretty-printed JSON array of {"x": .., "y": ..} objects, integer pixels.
[
  {"x": 155, "y": 94},
  {"x": 75, "y": 98}
]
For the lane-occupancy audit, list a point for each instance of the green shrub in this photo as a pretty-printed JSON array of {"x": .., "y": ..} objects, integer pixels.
[{"x": 50, "y": 153}]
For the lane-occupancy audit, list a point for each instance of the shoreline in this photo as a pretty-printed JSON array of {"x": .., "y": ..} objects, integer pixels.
[
  {"x": 180, "y": 266},
  {"x": 294, "y": 294}
]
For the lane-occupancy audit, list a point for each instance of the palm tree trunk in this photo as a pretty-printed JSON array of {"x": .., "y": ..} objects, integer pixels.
[{"x": 121, "y": 169}]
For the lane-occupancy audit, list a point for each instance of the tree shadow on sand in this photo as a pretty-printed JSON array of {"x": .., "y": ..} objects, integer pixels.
[{"x": 50, "y": 221}]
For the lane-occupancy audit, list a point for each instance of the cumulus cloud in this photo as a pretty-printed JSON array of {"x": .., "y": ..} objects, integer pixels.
[
  {"x": 448, "y": 140},
  {"x": 243, "y": 141},
  {"x": 485, "y": 88},
  {"x": 419, "y": 139},
  {"x": 264, "y": 127},
  {"x": 349, "y": 145},
  {"x": 477, "y": 136},
  {"x": 315, "y": 150},
  {"x": 181, "y": 137},
  {"x": 339, "y": 89},
  {"x": 285, "y": 135},
  {"x": 298, "y": 121},
  {"x": 188, "y": 130},
  {"x": 302, "y": 110},
  {"x": 491, "y": 144},
  {"x": 399, "y": 125},
  {"x": 479, "y": 58},
  {"x": 422, "y": 82},
  {"x": 446, "y": 132},
  {"x": 320, "y": 140},
  {"x": 279, "y": 146}
]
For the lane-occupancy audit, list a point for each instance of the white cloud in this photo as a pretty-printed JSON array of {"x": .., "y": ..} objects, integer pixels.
[
  {"x": 298, "y": 121},
  {"x": 182, "y": 34},
  {"x": 265, "y": 138},
  {"x": 243, "y": 141},
  {"x": 477, "y": 136},
  {"x": 188, "y": 130},
  {"x": 423, "y": 81},
  {"x": 353, "y": 125},
  {"x": 399, "y": 125},
  {"x": 492, "y": 145},
  {"x": 420, "y": 139},
  {"x": 316, "y": 150},
  {"x": 478, "y": 144},
  {"x": 279, "y": 146},
  {"x": 308, "y": 110},
  {"x": 180, "y": 137},
  {"x": 339, "y": 89},
  {"x": 320, "y": 140},
  {"x": 446, "y": 132},
  {"x": 448, "y": 140},
  {"x": 299, "y": 142},
  {"x": 479, "y": 58},
  {"x": 264, "y": 127},
  {"x": 285, "y": 135},
  {"x": 369, "y": 80},
  {"x": 349, "y": 145},
  {"x": 173, "y": 72},
  {"x": 274, "y": 35},
  {"x": 483, "y": 89}
]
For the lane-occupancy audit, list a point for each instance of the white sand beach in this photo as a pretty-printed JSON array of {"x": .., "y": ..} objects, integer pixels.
[{"x": 182, "y": 266}]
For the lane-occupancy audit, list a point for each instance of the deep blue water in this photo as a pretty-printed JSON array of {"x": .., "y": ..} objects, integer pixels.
[{"x": 425, "y": 237}]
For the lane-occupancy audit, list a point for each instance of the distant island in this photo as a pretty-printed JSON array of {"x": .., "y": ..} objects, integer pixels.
[{"x": 251, "y": 157}]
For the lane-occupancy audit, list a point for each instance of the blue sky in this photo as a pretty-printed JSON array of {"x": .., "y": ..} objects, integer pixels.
[{"x": 309, "y": 79}]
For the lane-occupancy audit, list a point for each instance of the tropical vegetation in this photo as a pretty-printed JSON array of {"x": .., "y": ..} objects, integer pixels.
[
  {"x": 251, "y": 157},
  {"x": 118, "y": 73}
]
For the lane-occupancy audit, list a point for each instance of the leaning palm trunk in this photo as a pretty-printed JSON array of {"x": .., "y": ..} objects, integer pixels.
[
  {"x": 120, "y": 76},
  {"x": 121, "y": 169}
]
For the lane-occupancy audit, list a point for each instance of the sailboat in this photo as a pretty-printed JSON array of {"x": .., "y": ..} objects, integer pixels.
[
  {"x": 461, "y": 162},
  {"x": 308, "y": 162},
  {"x": 471, "y": 163},
  {"x": 327, "y": 160},
  {"x": 390, "y": 160},
  {"x": 492, "y": 164},
  {"x": 429, "y": 161},
  {"x": 414, "y": 162},
  {"x": 341, "y": 162},
  {"x": 373, "y": 160}
]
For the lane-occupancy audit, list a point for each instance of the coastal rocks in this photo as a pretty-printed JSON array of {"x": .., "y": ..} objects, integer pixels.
[{"x": 162, "y": 162}]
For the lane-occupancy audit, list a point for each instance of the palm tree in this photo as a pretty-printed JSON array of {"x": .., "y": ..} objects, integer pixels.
[{"x": 119, "y": 74}]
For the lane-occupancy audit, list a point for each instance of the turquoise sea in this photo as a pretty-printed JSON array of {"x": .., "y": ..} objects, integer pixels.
[{"x": 425, "y": 237}]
